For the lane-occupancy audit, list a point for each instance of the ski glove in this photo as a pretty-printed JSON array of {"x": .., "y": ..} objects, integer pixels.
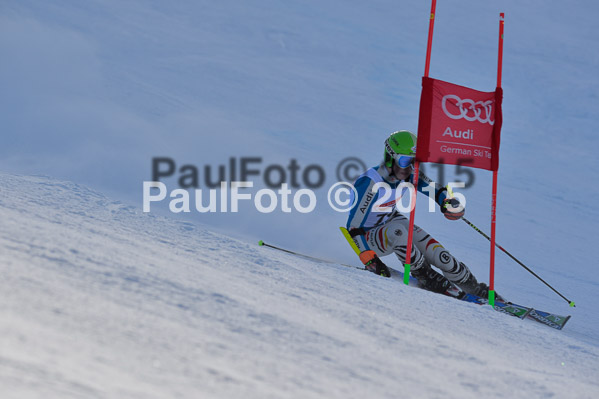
[
  {"x": 452, "y": 209},
  {"x": 374, "y": 264}
]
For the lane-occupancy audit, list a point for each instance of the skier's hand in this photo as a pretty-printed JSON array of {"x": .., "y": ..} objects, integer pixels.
[
  {"x": 377, "y": 266},
  {"x": 452, "y": 209},
  {"x": 374, "y": 264},
  {"x": 356, "y": 232}
]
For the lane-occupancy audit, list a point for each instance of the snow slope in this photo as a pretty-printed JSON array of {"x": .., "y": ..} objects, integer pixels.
[
  {"x": 91, "y": 91},
  {"x": 100, "y": 300}
]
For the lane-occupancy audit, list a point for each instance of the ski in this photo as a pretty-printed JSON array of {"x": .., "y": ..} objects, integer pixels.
[
  {"x": 549, "y": 319},
  {"x": 523, "y": 312},
  {"x": 453, "y": 291},
  {"x": 506, "y": 308},
  {"x": 513, "y": 309}
]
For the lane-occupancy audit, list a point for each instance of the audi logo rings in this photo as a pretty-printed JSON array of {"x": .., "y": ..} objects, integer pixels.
[{"x": 469, "y": 109}]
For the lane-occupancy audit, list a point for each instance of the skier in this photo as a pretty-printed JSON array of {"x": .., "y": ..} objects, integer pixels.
[{"x": 380, "y": 230}]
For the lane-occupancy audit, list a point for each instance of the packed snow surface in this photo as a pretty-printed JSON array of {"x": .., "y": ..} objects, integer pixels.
[{"x": 101, "y": 300}]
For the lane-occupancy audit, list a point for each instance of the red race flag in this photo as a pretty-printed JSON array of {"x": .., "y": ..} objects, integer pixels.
[{"x": 459, "y": 125}]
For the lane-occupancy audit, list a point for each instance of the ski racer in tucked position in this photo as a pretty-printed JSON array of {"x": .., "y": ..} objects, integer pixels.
[{"x": 380, "y": 232}]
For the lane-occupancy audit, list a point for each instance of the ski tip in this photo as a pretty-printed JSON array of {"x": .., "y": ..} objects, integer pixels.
[
  {"x": 260, "y": 242},
  {"x": 572, "y": 304},
  {"x": 565, "y": 321}
]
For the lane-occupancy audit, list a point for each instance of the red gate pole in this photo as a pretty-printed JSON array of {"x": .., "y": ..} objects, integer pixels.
[
  {"x": 500, "y": 57},
  {"x": 494, "y": 195},
  {"x": 431, "y": 26},
  {"x": 406, "y": 276}
]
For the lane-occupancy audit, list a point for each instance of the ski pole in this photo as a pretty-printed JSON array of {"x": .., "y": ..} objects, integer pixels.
[
  {"x": 263, "y": 244},
  {"x": 469, "y": 223}
]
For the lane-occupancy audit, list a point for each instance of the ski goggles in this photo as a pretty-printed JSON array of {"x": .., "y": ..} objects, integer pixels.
[{"x": 404, "y": 161}]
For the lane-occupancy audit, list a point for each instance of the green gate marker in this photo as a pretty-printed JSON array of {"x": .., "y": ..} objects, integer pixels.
[{"x": 406, "y": 274}]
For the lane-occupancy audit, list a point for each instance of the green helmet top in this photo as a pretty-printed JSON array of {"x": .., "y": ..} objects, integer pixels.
[{"x": 402, "y": 142}]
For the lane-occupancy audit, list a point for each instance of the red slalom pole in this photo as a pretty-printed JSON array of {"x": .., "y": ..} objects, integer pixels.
[
  {"x": 493, "y": 221},
  {"x": 414, "y": 193},
  {"x": 406, "y": 275},
  {"x": 500, "y": 57},
  {"x": 494, "y": 194},
  {"x": 429, "y": 45}
]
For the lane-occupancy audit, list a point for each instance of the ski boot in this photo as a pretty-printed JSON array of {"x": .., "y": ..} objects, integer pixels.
[
  {"x": 472, "y": 286},
  {"x": 483, "y": 292},
  {"x": 430, "y": 280}
]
